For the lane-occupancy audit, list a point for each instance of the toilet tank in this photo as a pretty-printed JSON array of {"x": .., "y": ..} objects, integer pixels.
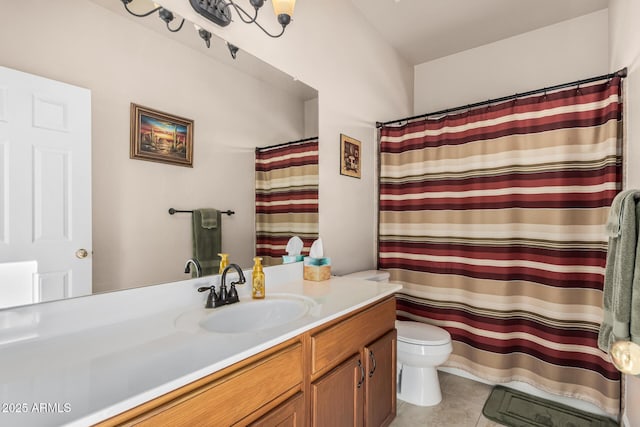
[{"x": 373, "y": 275}]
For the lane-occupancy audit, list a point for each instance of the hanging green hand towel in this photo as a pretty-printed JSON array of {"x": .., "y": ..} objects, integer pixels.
[
  {"x": 207, "y": 239},
  {"x": 622, "y": 273}
]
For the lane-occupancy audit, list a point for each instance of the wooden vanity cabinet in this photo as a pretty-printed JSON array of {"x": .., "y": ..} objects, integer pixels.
[
  {"x": 339, "y": 374},
  {"x": 353, "y": 364}
]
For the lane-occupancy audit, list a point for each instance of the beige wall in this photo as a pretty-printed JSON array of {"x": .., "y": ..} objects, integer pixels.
[
  {"x": 556, "y": 54},
  {"x": 135, "y": 240},
  {"x": 624, "y": 41},
  {"x": 360, "y": 79}
]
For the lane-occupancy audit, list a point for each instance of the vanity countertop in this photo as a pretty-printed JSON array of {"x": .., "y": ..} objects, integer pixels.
[{"x": 83, "y": 375}]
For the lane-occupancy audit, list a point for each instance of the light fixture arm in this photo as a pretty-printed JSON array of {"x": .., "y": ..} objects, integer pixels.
[
  {"x": 275, "y": 36},
  {"x": 177, "y": 29},
  {"x": 219, "y": 12},
  {"x": 241, "y": 12},
  {"x": 139, "y": 15},
  {"x": 256, "y": 5},
  {"x": 167, "y": 16}
]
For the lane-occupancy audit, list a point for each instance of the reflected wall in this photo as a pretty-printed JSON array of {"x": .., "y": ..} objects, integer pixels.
[{"x": 135, "y": 241}]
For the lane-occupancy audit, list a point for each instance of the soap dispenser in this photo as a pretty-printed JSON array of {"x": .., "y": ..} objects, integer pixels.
[
  {"x": 257, "y": 279},
  {"x": 224, "y": 262}
]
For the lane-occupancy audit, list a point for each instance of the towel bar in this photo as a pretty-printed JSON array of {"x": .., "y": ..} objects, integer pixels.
[{"x": 172, "y": 211}]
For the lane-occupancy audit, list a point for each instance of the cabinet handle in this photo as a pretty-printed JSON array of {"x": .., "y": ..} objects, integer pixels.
[
  {"x": 362, "y": 374},
  {"x": 373, "y": 361}
]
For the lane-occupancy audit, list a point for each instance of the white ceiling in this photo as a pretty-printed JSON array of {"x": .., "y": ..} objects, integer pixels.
[{"x": 423, "y": 30}]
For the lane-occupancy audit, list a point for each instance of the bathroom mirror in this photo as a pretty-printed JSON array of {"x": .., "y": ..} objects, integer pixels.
[{"x": 236, "y": 105}]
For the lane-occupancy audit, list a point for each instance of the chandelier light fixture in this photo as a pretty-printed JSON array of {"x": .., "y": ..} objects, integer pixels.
[
  {"x": 219, "y": 12},
  {"x": 167, "y": 16}
]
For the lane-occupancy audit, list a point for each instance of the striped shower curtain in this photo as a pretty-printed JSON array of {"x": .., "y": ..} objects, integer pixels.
[
  {"x": 286, "y": 198},
  {"x": 494, "y": 222}
]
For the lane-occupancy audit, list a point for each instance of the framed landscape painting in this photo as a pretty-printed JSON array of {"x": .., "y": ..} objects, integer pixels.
[{"x": 160, "y": 137}]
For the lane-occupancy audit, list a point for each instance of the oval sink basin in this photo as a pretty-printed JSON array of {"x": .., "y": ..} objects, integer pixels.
[{"x": 247, "y": 316}]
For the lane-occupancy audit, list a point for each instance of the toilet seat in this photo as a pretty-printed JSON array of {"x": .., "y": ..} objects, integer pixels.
[{"x": 422, "y": 334}]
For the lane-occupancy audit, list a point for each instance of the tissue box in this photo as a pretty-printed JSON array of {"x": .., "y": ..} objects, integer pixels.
[{"x": 317, "y": 269}]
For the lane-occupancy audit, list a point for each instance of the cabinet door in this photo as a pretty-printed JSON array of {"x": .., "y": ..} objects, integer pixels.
[
  {"x": 380, "y": 386},
  {"x": 288, "y": 414},
  {"x": 337, "y": 397}
]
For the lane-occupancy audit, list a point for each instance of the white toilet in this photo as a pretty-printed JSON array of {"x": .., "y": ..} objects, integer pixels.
[{"x": 421, "y": 348}]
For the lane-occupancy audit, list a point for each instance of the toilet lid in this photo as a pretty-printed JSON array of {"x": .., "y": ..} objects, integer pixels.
[
  {"x": 373, "y": 275},
  {"x": 421, "y": 333}
]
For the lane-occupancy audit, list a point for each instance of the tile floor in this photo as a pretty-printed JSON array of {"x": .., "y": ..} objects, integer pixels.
[{"x": 461, "y": 406}]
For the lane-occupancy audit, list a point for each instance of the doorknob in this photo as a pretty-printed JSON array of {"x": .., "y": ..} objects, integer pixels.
[{"x": 82, "y": 253}]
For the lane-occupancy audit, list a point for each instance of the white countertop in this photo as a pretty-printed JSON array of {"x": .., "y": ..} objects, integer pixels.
[{"x": 78, "y": 362}]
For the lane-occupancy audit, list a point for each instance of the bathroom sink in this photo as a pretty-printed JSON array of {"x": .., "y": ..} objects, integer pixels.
[{"x": 247, "y": 315}]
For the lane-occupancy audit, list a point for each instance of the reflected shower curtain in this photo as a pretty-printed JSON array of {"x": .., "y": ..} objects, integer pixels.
[
  {"x": 494, "y": 222},
  {"x": 286, "y": 198}
]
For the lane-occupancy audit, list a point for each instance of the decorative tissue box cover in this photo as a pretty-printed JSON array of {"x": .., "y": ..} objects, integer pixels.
[{"x": 317, "y": 269}]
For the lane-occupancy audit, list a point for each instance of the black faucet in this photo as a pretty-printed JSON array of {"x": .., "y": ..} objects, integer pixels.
[
  {"x": 224, "y": 297},
  {"x": 196, "y": 264}
]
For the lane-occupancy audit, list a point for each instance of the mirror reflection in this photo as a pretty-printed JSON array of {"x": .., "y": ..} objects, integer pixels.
[{"x": 90, "y": 62}]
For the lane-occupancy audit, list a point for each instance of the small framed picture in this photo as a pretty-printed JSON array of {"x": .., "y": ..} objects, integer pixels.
[
  {"x": 160, "y": 137},
  {"x": 350, "y": 156}
]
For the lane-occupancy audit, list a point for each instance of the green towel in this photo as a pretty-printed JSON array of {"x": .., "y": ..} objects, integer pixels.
[
  {"x": 207, "y": 240},
  {"x": 209, "y": 218},
  {"x": 622, "y": 273}
]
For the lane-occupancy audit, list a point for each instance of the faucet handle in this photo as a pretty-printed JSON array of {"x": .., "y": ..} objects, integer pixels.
[
  {"x": 212, "y": 298},
  {"x": 232, "y": 296}
]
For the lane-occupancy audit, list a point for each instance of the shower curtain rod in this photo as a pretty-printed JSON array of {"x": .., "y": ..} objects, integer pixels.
[
  {"x": 621, "y": 73},
  {"x": 286, "y": 143}
]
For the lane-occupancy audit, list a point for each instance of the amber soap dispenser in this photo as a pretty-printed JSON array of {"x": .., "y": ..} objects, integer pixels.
[
  {"x": 257, "y": 279},
  {"x": 224, "y": 262}
]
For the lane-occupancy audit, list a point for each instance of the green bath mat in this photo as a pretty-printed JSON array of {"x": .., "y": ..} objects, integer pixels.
[{"x": 516, "y": 409}]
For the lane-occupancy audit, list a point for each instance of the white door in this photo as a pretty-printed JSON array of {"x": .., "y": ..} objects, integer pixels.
[{"x": 45, "y": 182}]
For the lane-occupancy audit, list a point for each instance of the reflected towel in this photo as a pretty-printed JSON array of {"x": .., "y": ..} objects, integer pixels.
[
  {"x": 207, "y": 240},
  {"x": 622, "y": 273},
  {"x": 209, "y": 218}
]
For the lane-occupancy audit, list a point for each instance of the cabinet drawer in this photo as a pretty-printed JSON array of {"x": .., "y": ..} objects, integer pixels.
[
  {"x": 231, "y": 398},
  {"x": 331, "y": 346},
  {"x": 289, "y": 414}
]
